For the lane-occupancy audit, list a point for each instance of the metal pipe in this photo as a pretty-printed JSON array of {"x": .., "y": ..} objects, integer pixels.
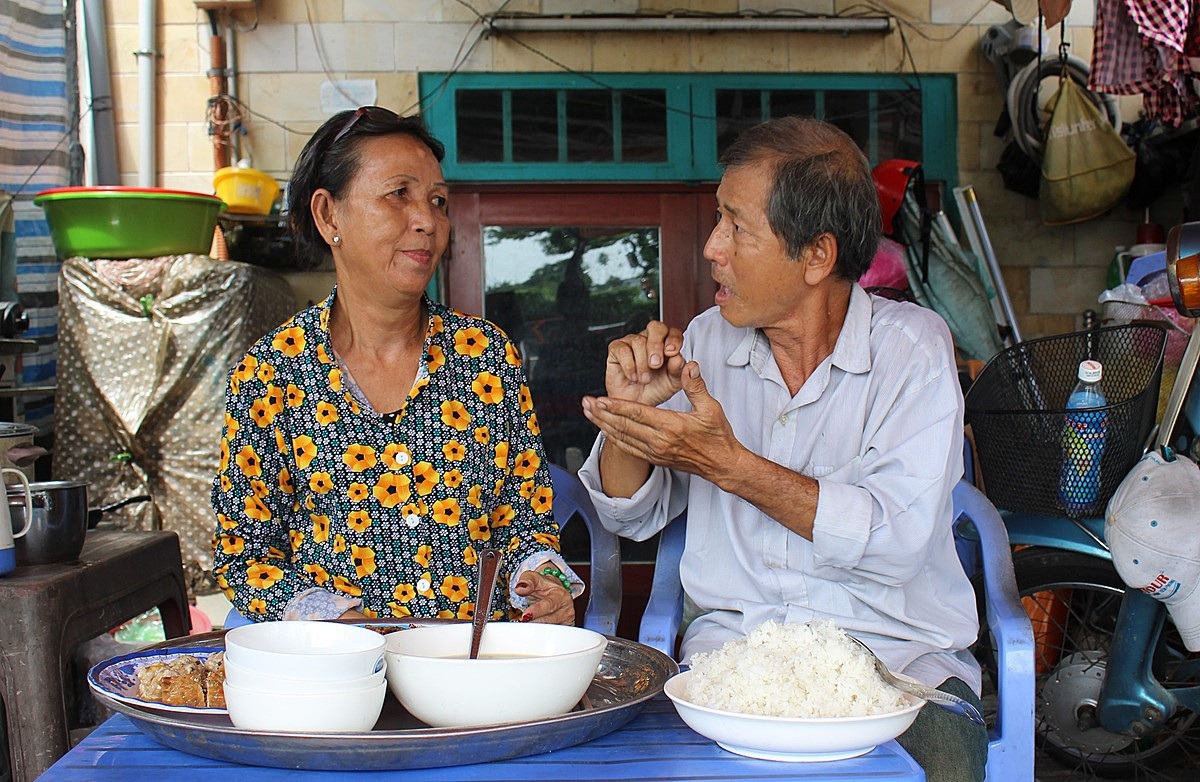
[
  {"x": 799, "y": 24},
  {"x": 231, "y": 89},
  {"x": 147, "y": 97},
  {"x": 989, "y": 256},
  {"x": 103, "y": 159}
]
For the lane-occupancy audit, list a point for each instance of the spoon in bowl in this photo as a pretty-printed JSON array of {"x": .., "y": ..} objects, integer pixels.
[
  {"x": 944, "y": 699},
  {"x": 489, "y": 565}
]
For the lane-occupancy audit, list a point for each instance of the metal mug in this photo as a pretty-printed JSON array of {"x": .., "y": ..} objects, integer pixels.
[{"x": 8, "y": 554}]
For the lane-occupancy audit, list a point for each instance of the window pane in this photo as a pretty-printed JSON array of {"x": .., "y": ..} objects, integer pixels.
[
  {"x": 534, "y": 126},
  {"x": 589, "y": 126},
  {"x": 898, "y": 120},
  {"x": 562, "y": 294},
  {"x": 480, "y": 137},
  {"x": 736, "y": 111},
  {"x": 896, "y": 116},
  {"x": 850, "y": 111},
  {"x": 793, "y": 103},
  {"x": 644, "y": 126}
]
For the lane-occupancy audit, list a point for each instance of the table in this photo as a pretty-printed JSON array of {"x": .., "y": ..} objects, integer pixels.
[
  {"x": 47, "y": 611},
  {"x": 654, "y": 746}
]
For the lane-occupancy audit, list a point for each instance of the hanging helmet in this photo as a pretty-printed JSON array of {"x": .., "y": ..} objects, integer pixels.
[{"x": 891, "y": 183}]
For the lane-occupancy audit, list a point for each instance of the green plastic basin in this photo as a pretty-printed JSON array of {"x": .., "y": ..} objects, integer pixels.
[{"x": 129, "y": 222}]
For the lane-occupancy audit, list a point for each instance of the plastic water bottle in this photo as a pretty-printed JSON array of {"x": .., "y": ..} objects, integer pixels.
[{"x": 1083, "y": 440}]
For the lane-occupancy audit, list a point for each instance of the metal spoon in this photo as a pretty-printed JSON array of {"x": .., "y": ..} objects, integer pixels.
[
  {"x": 944, "y": 699},
  {"x": 489, "y": 565}
]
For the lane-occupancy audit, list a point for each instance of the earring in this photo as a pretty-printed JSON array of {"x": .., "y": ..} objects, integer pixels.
[{"x": 337, "y": 239}]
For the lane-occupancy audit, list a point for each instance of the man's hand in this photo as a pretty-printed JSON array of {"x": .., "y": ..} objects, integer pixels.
[
  {"x": 699, "y": 442},
  {"x": 645, "y": 367}
]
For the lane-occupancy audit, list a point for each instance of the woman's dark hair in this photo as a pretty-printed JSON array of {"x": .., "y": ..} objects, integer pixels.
[
  {"x": 331, "y": 159},
  {"x": 822, "y": 185}
]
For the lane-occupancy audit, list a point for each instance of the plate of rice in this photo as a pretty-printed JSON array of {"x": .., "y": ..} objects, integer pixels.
[{"x": 792, "y": 692}]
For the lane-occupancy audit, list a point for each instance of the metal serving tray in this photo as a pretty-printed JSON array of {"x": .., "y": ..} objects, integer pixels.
[{"x": 629, "y": 675}]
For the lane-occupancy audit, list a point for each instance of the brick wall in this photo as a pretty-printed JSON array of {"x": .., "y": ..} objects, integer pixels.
[{"x": 286, "y": 47}]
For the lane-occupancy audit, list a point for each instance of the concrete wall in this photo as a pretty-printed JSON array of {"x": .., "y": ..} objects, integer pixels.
[{"x": 286, "y": 50}]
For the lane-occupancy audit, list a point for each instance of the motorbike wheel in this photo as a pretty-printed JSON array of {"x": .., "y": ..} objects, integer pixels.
[{"x": 1073, "y": 600}]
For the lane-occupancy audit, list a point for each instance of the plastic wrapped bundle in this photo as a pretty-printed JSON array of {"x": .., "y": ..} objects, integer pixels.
[{"x": 144, "y": 348}]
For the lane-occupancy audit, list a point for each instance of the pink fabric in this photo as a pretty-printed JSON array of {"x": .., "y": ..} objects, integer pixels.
[{"x": 888, "y": 269}]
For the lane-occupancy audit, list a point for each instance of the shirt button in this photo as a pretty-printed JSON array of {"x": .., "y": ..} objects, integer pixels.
[
  {"x": 402, "y": 458},
  {"x": 412, "y": 520},
  {"x": 423, "y": 585},
  {"x": 783, "y": 420}
]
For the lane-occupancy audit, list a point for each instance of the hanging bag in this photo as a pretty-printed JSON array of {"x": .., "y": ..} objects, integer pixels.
[{"x": 1087, "y": 168}]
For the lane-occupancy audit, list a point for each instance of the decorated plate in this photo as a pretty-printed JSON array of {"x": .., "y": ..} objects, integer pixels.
[
  {"x": 629, "y": 675},
  {"x": 117, "y": 677}
]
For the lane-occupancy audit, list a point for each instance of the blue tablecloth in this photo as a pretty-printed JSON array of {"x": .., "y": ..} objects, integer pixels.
[{"x": 656, "y": 745}]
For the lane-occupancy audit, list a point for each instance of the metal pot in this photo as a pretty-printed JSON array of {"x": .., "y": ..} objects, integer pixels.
[{"x": 61, "y": 519}]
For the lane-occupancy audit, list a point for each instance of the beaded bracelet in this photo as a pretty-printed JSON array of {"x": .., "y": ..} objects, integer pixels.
[{"x": 554, "y": 572}]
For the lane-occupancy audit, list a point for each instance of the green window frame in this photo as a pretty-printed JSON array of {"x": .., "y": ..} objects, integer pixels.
[{"x": 690, "y": 116}]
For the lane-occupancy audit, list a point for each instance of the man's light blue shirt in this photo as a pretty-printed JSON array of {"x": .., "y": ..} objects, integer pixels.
[{"x": 879, "y": 425}]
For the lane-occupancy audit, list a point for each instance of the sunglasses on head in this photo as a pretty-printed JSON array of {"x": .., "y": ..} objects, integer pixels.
[{"x": 359, "y": 113}]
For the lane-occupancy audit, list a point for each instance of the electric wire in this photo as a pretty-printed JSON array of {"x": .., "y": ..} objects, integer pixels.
[{"x": 482, "y": 29}]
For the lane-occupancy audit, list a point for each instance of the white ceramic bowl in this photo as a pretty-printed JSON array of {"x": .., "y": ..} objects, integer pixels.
[
  {"x": 249, "y": 678},
  {"x": 310, "y": 651},
  {"x": 793, "y": 739},
  {"x": 524, "y": 672},
  {"x": 344, "y": 711}
]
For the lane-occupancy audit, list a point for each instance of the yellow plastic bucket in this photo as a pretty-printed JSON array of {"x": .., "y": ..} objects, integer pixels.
[{"x": 246, "y": 190}]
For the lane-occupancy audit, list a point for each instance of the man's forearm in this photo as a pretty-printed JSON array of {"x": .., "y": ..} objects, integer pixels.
[
  {"x": 785, "y": 495},
  {"x": 621, "y": 473}
]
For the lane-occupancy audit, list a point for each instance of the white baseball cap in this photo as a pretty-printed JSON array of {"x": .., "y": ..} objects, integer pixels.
[{"x": 1152, "y": 526}]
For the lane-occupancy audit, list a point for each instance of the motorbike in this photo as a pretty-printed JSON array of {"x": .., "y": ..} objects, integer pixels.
[{"x": 1118, "y": 693}]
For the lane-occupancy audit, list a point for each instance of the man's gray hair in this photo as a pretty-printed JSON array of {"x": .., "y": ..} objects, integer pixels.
[{"x": 822, "y": 185}]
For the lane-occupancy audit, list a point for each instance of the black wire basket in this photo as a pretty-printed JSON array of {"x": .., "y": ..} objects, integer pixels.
[{"x": 1016, "y": 409}]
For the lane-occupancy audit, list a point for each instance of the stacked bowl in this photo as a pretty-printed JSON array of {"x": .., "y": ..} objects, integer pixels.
[{"x": 304, "y": 676}]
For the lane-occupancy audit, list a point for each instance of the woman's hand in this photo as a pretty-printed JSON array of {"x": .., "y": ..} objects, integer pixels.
[{"x": 549, "y": 600}]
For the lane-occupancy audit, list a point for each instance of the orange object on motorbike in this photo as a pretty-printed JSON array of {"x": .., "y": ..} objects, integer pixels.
[{"x": 892, "y": 179}]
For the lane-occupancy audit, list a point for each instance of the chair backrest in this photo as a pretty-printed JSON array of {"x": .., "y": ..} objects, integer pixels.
[
  {"x": 1010, "y": 745},
  {"x": 664, "y": 610},
  {"x": 571, "y": 500},
  {"x": 983, "y": 547}
]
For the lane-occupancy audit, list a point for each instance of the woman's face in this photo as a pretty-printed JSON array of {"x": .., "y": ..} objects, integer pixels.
[{"x": 392, "y": 221}]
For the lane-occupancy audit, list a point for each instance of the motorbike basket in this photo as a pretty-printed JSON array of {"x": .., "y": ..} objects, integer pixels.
[{"x": 1016, "y": 410}]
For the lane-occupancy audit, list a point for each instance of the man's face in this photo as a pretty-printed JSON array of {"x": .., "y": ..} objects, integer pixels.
[{"x": 760, "y": 286}]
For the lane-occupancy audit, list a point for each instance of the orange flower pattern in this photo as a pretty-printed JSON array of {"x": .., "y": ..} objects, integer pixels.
[{"x": 390, "y": 508}]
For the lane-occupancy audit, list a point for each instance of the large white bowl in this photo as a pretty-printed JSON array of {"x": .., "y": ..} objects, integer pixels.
[
  {"x": 345, "y": 711},
  {"x": 249, "y": 678},
  {"x": 795, "y": 739},
  {"x": 311, "y": 651},
  {"x": 524, "y": 672}
]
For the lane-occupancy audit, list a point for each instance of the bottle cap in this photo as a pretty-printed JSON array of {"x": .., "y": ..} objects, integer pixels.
[{"x": 1090, "y": 371}]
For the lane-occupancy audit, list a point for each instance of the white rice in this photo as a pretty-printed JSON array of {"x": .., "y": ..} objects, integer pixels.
[{"x": 792, "y": 670}]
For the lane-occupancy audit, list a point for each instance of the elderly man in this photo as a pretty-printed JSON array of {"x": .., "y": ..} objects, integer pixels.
[{"x": 813, "y": 431}]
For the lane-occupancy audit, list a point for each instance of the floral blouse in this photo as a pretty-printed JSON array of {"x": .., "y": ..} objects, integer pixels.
[{"x": 314, "y": 489}]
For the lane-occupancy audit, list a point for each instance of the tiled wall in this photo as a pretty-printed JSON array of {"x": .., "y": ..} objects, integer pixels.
[{"x": 286, "y": 49}]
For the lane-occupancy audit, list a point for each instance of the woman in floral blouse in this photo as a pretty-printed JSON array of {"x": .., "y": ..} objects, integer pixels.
[{"x": 377, "y": 441}]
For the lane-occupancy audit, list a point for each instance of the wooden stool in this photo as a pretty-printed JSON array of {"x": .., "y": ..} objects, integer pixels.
[{"x": 46, "y": 611}]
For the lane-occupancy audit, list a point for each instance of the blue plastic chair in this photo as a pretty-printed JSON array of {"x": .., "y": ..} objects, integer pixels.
[
  {"x": 571, "y": 500},
  {"x": 981, "y": 538}
]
